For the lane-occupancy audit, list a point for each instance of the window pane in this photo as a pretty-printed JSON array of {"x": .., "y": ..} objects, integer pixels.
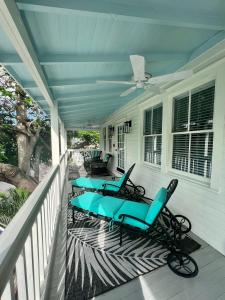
[
  {"x": 180, "y": 119},
  {"x": 202, "y": 104},
  {"x": 201, "y": 154},
  {"x": 152, "y": 152},
  {"x": 157, "y": 120},
  {"x": 180, "y": 152},
  {"x": 148, "y": 122}
]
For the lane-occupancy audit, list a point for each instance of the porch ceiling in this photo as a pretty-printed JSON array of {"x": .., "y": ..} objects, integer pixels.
[{"x": 74, "y": 43}]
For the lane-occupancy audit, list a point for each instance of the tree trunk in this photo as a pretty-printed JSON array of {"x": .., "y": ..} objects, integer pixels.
[
  {"x": 15, "y": 176},
  {"x": 25, "y": 146},
  {"x": 36, "y": 162},
  {"x": 26, "y": 140}
]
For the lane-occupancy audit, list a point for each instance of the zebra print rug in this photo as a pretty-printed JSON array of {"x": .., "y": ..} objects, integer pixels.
[{"x": 95, "y": 261}]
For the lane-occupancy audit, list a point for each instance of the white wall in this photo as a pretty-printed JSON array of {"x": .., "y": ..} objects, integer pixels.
[{"x": 203, "y": 203}]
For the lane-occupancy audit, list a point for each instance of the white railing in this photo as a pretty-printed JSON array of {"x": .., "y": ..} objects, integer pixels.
[{"x": 27, "y": 243}]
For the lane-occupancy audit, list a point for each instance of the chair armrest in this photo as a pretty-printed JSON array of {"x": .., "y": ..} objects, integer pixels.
[{"x": 132, "y": 217}]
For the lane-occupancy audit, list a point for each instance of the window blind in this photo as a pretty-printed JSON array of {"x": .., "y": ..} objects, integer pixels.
[
  {"x": 152, "y": 151},
  {"x": 193, "y": 147},
  {"x": 181, "y": 114},
  {"x": 202, "y": 105},
  {"x": 153, "y": 135}
]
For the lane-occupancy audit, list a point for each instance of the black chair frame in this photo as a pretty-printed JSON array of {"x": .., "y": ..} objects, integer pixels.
[{"x": 178, "y": 260}]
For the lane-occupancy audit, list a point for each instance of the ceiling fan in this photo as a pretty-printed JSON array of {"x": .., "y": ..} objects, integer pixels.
[{"x": 141, "y": 79}]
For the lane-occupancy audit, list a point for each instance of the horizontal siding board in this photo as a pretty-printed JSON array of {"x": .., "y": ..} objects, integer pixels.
[{"x": 203, "y": 205}]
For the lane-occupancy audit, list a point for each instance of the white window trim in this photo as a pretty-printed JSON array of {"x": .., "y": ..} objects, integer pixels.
[
  {"x": 155, "y": 101},
  {"x": 183, "y": 174}
]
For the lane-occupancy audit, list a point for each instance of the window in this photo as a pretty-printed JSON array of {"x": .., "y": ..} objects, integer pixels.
[
  {"x": 193, "y": 131},
  {"x": 153, "y": 135},
  {"x": 110, "y": 135},
  {"x": 104, "y": 138}
]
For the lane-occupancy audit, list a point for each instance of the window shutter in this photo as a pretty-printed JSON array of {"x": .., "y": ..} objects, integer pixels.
[
  {"x": 180, "y": 109},
  {"x": 202, "y": 105}
]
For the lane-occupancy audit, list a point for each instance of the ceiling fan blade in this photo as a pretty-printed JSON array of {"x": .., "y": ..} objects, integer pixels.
[
  {"x": 170, "y": 77},
  {"x": 138, "y": 66},
  {"x": 129, "y": 91},
  {"x": 116, "y": 82}
]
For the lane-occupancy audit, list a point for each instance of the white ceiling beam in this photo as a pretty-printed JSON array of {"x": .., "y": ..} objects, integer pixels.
[
  {"x": 152, "y": 13},
  {"x": 14, "y": 27},
  {"x": 90, "y": 94},
  {"x": 97, "y": 109},
  {"x": 55, "y": 59},
  {"x": 90, "y": 101},
  {"x": 74, "y": 82}
]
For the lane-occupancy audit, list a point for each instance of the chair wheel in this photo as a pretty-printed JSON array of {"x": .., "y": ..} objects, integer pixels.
[
  {"x": 181, "y": 224},
  {"x": 182, "y": 264},
  {"x": 140, "y": 190}
]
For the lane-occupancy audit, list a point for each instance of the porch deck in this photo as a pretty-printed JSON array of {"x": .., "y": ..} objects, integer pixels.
[{"x": 161, "y": 284}]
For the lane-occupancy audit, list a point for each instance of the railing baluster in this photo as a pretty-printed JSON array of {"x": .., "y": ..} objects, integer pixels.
[
  {"x": 46, "y": 226},
  {"x": 44, "y": 236},
  {"x": 21, "y": 277},
  {"x": 35, "y": 256},
  {"x": 9, "y": 292},
  {"x": 40, "y": 249},
  {"x": 48, "y": 215},
  {"x": 29, "y": 268},
  {"x": 26, "y": 243}
]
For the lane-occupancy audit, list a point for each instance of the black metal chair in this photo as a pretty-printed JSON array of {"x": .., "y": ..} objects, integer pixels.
[{"x": 100, "y": 166}]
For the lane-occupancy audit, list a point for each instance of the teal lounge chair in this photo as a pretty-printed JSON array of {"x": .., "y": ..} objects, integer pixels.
[
  {"x": 141, "y": 218},
  {"x": 134, "y": 214},
  {"x": 101, "y": 184}
]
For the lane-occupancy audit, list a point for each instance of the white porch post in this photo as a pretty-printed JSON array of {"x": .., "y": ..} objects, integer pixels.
[
  {"x": 65, "y": 138},
  {"x": 55, "y": 135}
]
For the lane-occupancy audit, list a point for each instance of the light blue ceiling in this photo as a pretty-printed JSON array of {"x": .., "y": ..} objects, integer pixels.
[{"x": 78, "y": 42}]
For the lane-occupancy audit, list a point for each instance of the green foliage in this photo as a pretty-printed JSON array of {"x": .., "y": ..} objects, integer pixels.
[
  {"x": 89, "y": 137},
  {"x": 8, "y": 145},
  {"x": 85, "y": 137},
  {"x": 11, "y": 202}
]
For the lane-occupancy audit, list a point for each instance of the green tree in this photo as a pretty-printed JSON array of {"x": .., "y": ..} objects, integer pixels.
[
  {"x": 22, "y": 125},
  {"x": 84, "y": 138},
  {"x": 10, "y": 203}
]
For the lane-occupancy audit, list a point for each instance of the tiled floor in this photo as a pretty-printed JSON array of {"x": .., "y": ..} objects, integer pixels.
[{"x": 161, "y": 284}]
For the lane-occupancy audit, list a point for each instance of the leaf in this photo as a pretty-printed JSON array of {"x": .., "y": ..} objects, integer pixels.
[{"x": 98, "y": 257}]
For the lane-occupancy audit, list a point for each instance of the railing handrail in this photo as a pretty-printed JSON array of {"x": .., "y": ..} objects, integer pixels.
[{"x": 13, "y": 238}]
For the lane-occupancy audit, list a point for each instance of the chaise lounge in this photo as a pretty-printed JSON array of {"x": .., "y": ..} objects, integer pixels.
[
  {"x": 101, "y": 184},
  {"x": 141, "y": 218}
]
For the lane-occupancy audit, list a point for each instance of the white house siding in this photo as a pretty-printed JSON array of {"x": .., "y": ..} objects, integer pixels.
[{"x": 203, "y": 203}]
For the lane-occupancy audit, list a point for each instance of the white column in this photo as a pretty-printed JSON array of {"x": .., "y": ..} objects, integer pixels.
[
  {"x": 218, "y": 131},
  {"x": 65, "y": 138},
  {"x": 55, "y": 135},
  {"x": 62, "y": 137}
]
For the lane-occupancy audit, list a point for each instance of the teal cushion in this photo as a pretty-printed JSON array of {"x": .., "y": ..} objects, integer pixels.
[
  {"x": 97, "y": 184},
  {"x": 87, "y": 201},
  {"x": 121, "y": 180},
  {"x": 108, "y": 206},
  {"x": 156, "y": 205},
  {"x": 138, "y": 210},
  {"x": 89, "y": 183},
  {"x": 106, "y": 157}
]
